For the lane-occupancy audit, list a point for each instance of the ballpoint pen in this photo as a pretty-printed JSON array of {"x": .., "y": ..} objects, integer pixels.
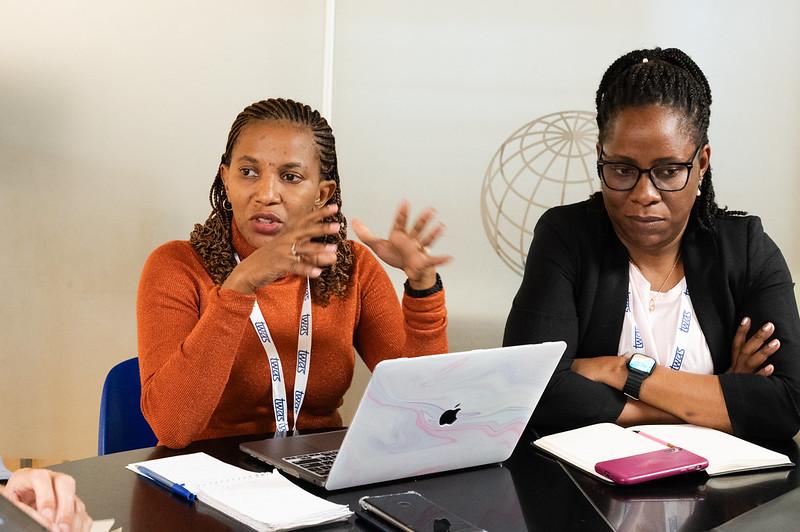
[
  {"x": 175, "y": 489},
  {"x": 659, "y": 440}
]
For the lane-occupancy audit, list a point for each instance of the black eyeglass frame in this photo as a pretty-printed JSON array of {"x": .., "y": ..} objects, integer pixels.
[{"x": 688, "y": 165}]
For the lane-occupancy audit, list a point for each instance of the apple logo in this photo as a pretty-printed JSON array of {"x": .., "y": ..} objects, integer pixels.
[
  {"x": 449, "y": 416},
  {"x": 441, "y": 525}
]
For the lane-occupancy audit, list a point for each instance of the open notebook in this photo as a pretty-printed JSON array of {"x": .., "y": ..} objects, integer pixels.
[
  {"x": 246, "y": 496},
  {"x": 585, "y": 446}
]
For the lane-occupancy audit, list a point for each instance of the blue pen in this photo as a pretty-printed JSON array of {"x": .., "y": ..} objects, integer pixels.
[{"x": 175, "y": 489}]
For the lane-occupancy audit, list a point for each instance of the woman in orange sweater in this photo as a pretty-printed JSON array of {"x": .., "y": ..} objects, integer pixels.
[{"x": 270, "y": 280}]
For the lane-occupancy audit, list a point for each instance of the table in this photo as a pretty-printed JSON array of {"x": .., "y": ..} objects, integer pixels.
[
  {"x": 529, "y": 492},
  {"x": 691, "y": 502}
]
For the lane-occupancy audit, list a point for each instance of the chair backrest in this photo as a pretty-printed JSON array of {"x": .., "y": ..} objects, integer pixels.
[{"x": 122, "y": 425}]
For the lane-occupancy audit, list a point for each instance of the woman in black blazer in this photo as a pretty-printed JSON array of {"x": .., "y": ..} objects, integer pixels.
[{"x": 656, "y": 216}]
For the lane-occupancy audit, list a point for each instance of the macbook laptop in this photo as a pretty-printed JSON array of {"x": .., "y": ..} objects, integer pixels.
[{"x": 424, "y": 415}]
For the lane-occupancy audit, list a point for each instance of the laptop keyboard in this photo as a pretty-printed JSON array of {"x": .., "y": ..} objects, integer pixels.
[{"x": 317, "y": 463}]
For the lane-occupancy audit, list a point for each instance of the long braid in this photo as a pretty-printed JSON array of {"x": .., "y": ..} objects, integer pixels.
[
  {"x": 670, "y": 78},
  {"x": 212, "y": 240}
]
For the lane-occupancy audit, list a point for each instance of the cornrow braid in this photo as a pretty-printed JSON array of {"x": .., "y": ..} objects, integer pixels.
[
  {"x": 669, "y": 78},
  {"x": 212, "y": 239}
]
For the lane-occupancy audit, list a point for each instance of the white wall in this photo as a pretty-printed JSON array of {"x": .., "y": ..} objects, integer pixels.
[{"x": 113, "y": 116}]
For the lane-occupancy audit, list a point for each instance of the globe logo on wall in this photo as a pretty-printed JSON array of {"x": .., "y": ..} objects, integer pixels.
[{"x": 547, "y": 162}]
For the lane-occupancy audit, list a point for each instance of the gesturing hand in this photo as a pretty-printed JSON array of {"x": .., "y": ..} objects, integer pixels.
[
  {"x": 748, "y": 355},
  {"x": 406, "y": 249},
  {"x": 49, "y": 498},
  {"x": 290, "y": 252}
]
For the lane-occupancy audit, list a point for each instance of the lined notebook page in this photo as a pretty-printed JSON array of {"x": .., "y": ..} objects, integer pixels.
[
  {"x": 725, "y": 453},
  {"x": 585, "y": 446},
  {"x": 192, "y": 470},
  {"x": 268, "y": 501}
]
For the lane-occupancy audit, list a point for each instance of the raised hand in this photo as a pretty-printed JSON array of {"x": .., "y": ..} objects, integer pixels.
[
  {"x": 748, "y": 355},
  {"x": 407, "y": 249},
  {"x": 289, "y": 252}
]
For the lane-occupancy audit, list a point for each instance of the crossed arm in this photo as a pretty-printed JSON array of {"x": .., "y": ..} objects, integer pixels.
[{"x": 670, "y": 396}]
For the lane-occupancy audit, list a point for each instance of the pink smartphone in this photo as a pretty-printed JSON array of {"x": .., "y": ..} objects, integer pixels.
[{"x": 650, "y": 466}]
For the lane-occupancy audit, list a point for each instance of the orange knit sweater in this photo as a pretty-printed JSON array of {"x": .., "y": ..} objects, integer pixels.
[{"x": 204, "y": 372}]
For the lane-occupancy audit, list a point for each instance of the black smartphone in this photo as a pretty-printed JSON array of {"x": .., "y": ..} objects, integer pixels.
[
  {"x": 411, "y": 512},
  {"x": 14, "y": 519}
]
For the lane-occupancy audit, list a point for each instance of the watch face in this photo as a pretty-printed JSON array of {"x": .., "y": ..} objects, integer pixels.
[{"x": 642, "y": 363}]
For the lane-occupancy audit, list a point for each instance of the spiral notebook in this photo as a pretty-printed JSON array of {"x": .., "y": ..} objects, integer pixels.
[{"x": 244, "y": 495}]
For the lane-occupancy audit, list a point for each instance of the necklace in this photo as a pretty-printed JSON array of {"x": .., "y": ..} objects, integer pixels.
[{"x": 652, "y": 304}]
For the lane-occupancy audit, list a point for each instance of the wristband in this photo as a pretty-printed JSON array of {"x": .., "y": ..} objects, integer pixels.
[{"x": 437, "y": 287}]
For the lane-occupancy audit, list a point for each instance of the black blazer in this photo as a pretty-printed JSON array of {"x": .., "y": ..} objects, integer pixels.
[{"x": 574, "y": 289}]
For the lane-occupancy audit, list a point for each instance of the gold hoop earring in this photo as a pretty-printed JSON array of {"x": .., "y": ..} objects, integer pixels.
[{"x": 226, "y": 204}]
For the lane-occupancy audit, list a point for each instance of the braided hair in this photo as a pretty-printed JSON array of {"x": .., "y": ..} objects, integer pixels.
[
  {"x": 212, "y": 239},
  {"x": 667, "y": 78}
]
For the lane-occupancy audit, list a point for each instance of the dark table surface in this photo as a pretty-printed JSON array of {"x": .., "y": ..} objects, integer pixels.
[{"x": 529, "y": 492}]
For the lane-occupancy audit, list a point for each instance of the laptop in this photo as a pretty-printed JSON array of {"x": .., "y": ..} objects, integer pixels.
[{"x": 424, "y": 415}]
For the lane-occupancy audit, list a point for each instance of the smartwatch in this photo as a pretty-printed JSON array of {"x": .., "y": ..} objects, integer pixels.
[{"x": 640, "y": 367}]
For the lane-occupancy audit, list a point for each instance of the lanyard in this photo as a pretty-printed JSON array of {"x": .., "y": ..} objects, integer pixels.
[
  {"x": 275, "y": 367},
  {"x": 681, "y": 334}
]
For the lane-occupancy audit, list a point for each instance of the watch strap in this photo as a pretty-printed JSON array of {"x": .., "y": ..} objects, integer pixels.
[
  {"x": 634, "y": 383},
  {"x": 437, "y": 287}
]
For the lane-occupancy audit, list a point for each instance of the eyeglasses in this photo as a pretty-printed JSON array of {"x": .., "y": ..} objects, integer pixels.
[{"x": 670, "y": 177}]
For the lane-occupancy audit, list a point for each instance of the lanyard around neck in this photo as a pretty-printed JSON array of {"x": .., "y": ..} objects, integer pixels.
[
  {"x": 275, "y": 366},
  {"x": 678, "y": 352}
]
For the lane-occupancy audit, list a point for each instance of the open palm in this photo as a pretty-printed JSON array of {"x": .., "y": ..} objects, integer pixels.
[{"x": 406, "y": 249}]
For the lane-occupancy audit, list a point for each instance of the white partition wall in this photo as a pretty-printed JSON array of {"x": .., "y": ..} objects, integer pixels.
[{"x": 113, "y": 116}]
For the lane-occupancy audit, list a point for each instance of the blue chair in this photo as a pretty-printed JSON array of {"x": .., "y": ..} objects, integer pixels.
[{"x": 122, "y": 425}]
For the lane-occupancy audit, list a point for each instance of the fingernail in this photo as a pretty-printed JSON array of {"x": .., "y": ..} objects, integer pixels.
[
  {"x": 331, "y": 247},
  {"x": 315, "y": 272},
  {"x": 335, "y": 226},
  {"x": 745, "y": 320},
  {"x": 774, "y": 343},
  {"x": 65, "y": 527},
  {"x": 766, "y": 327}
]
